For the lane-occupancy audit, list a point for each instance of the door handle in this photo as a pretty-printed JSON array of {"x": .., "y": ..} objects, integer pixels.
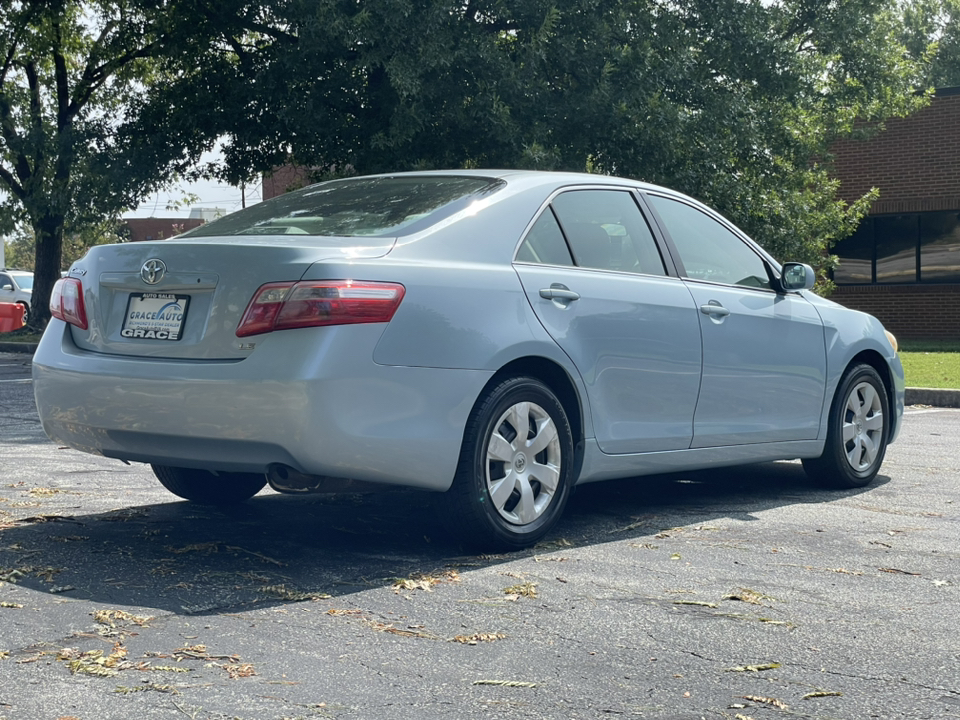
[
  {"x": 559, "y": 292},
  {"x": 717, "y": 310}
]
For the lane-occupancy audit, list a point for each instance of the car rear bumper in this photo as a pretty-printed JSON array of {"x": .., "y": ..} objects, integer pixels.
[{"x": 320, "y": 406}]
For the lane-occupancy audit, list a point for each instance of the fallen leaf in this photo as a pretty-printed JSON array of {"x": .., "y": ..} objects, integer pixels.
[
  {"x": 478, "y": 638},
  {"x": 112, "y": 617},
  {"x": 282, "y": 592},
  {"x": 766, "y": 700},
  {"x": 147, "y": 687},
  {"x": 695, "y": 602},
  {"x": 753, "y": 668},
  {"x": 506, "y": 683},
  {"x": 43, "y": 491},
  {"x": 426, "y": 581},
  {"x": 241, "y": 670},
  {"x": 822, "y": 693},
  {"x": 527, "y": 590},
  {"x": 748, "y": 596}
]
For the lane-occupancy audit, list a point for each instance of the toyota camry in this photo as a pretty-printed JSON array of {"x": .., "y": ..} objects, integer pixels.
[{"x": 495, "y": 337}]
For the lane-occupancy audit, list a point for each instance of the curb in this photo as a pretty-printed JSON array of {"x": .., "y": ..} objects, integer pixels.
[
  {"x": 15, "y": 347},
  {"x": 935, "y": 397}
]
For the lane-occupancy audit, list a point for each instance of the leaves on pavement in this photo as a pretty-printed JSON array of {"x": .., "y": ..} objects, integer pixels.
[{"x": 753, "y": 668}]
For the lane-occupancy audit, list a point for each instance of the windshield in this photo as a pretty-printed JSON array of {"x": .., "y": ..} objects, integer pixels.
[
  {"x": 378, "y": 206},
  {"x": 24, "y": 281}
]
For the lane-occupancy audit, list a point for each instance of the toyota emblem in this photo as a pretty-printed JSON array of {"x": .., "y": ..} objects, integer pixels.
[{"x": 152, "y": 271}]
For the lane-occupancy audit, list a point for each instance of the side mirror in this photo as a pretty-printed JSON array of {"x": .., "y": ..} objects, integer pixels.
[
  {"x": 797, "y": 276},
  {"x": 8, "y": 288}
]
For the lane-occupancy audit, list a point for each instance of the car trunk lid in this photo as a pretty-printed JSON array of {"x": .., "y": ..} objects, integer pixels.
[{"x": 183, "y": 298}]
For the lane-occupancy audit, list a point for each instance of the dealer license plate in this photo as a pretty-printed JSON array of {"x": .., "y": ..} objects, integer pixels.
[{"x": 155, "y": 316}]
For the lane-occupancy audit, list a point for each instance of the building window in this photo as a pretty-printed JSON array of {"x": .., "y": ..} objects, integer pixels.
[{"x": 899, "y": 249}]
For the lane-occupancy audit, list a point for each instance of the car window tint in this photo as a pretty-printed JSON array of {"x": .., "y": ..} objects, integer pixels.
[
  {"x": 544, "y": 243},
  {"x": 708, "y": 250},
  {"x": 383, "y": 206},
  {"x": 5, "y": 280},
  {"x": 606, "y": 231}
]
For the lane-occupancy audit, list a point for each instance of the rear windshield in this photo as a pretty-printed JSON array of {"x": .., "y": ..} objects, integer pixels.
[{"x": 378, "y": 206}]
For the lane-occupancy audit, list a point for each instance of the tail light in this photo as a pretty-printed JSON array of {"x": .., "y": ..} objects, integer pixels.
[
  {"x": 66, "y": 302},
  {"x": 314, "y": 303}
]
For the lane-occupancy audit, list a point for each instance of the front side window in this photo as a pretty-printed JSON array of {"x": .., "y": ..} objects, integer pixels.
[
  {"x": 708, "y": 250},
  {"x": 357, "y": 207},
  {"x": 606, "y": 231}
]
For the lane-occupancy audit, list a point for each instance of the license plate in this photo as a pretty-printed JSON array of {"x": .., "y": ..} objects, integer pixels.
[{"x": 155, "y": 316}]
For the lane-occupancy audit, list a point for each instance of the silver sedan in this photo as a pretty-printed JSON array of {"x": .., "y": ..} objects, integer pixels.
[{"x": 496, "y": 337}]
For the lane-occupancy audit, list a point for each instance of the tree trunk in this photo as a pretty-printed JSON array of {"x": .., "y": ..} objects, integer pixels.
[{"x": 48, "y": 231}]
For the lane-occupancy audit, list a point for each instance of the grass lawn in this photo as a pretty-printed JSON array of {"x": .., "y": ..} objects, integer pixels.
[
  {"x": 19, "y": 337},
  {"x": 934, "y": 364}
]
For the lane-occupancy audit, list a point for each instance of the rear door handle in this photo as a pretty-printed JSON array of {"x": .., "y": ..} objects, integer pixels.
[
  {"x": 559, "y": 292},
  {"x": 714, "y": 310}
]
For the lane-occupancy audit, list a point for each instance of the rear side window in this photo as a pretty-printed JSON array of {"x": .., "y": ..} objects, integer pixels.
[
  {"x": 381, "y": 206},
  {"x": 544, "y": 243}
]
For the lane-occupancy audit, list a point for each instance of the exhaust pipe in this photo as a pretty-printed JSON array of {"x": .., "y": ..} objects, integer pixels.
[{"x": 285, "y": 479}]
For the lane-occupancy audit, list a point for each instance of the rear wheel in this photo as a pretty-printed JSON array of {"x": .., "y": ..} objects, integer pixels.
[
  {"x": 856, "y": 434},
  {"x": 513, "y": 478},
  {"x": 202, "y": 486}
]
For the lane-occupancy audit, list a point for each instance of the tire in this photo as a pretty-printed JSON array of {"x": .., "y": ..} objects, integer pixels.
[
  {"x": 514, "y": 474},
  {"x": 26, "y": 312},
  {"x": 202, "y": 486},
  {"x": 856, "y": 433}
]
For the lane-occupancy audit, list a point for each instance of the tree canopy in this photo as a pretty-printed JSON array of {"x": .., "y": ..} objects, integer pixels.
[{"x": 736, "y": 102}]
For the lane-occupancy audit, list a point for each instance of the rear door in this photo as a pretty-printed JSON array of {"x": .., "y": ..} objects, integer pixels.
[
  {"x": 594, "y": 275},
  {"x": 764, "y": 362}
]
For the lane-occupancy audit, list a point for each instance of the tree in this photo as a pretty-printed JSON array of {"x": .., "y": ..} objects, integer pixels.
[
  {"x": 81, "y": 138},
  {"x": 734, "y": 101},
  {"x": 930, "y": 29},
  {"x": 21, "y": 248}
]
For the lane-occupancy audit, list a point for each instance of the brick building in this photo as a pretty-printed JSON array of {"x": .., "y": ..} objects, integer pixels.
[
  {"x": 903, "y": 263},
  {"x": 140, "y": 229},
  {"x": 284, "y": 179},
  {"x": 153, "y": 228}
]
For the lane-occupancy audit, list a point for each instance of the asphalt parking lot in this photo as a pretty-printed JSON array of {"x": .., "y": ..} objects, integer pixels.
[{"x": 747, "y": 593}]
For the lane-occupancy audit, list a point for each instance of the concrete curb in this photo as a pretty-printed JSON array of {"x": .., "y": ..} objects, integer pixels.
[
  {"x": 15, "y": 347},
  {"x": 935, "y": 397}
]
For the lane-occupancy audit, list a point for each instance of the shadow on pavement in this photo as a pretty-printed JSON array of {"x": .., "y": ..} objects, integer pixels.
[{"x": 190, "y": 559}]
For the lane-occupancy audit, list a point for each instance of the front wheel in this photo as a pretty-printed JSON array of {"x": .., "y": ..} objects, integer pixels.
[
  {"x": 202, "y": 486},
  {"x": 514, "y": 474},
  {"x": 856, "y": 433}
]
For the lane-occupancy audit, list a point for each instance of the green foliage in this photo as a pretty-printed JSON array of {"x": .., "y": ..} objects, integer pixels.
[
  {"x": 736, "y": 102},
  {"x": 21, "y": 248},
  {"x": 81, "y": 137},
  {"x": 930, "y": 30}
]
